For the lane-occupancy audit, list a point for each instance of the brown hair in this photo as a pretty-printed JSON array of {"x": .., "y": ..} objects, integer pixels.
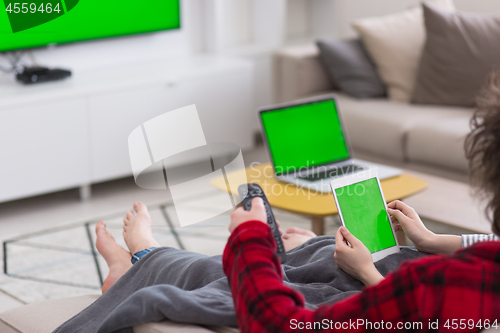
[{"x": 482, "y": 148}]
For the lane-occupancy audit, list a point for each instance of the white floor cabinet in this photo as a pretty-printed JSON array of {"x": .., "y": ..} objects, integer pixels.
[{"x": 74, "y": 133}]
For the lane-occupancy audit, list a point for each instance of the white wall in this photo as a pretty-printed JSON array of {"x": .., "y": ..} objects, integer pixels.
[
  {"x": 323, "y": 21},
  {"x": 478, "y": 6},
  {"x": 298, "y": 23},
  {"x": 269, "y": 22},
  {"x": 237, "y": 22}
]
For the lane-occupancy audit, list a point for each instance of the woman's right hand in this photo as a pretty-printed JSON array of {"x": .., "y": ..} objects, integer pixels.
[{"x": 405, "y": 218}]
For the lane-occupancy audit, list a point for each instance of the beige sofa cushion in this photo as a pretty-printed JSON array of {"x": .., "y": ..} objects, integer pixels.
[
  {"x": 441, "y": 142},
  {"x": 46, "y": 316},
  {"x": 43, "y": 317},
  {"x": 395, "y": 43},
  {"x": 460, "y": 52},
  {"x": 381, "y": 127},
  {"x": 172, "y": 327}
]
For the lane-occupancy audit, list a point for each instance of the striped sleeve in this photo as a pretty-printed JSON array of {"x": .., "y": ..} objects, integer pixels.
[{"x": 468, "y": 240}]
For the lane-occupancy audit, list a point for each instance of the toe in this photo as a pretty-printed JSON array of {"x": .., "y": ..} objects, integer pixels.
[
  {"x": 102, "y": 232},
  {"x": 101, "y": 225},
  {"x": 104, "y": 239},
  {"x": 139, "y": 207},
  {"x": 130, "y": 215},
  {"x": 125, "y": 220}
]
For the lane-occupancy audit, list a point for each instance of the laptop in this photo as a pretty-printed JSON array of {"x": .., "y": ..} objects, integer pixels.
[{"x": 308, "y": 144}]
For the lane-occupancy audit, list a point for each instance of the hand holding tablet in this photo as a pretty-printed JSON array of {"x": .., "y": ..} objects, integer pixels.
[
  {"x": 354, "y": 258},
  {"x": 363, "y": 211}
]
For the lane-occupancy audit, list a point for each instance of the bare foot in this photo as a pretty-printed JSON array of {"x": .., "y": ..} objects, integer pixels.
[
  {"x": 295, "y": 237},
  {"x": 117, "y": 258},
  {"x": 137, "y": 229}
]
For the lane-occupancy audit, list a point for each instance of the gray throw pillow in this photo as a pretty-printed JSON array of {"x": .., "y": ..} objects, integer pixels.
[
  {"x": 460, "y": 51},
  {"x": 350, "y": 67}
]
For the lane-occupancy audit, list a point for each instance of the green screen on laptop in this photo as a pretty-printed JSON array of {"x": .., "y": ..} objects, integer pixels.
[
  {"x": 304, "y": 135},
  {"x": 364, "y": 214}
]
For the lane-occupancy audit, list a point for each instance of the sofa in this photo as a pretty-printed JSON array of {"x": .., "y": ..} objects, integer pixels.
[
  {"x": 46, "y": 316},
  {"x": 423, "y": 138}
]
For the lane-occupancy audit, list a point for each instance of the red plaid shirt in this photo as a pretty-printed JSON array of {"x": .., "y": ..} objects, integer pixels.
[{"x": 461, "y": 291}]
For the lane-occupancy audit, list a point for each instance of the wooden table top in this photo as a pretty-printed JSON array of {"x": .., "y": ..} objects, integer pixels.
[{"x": 301, "y": 201}]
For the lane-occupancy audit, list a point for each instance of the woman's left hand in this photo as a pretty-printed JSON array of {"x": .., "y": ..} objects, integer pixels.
[{"x": 355, "y": 259}]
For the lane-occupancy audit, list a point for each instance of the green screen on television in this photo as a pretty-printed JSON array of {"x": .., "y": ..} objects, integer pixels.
[{"x": 37, "y": 23}]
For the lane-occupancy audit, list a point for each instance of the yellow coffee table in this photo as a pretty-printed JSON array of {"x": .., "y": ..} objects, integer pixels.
[{"x": 315, "y": 205}]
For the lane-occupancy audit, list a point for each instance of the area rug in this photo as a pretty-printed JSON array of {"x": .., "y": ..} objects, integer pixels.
[{"x": 63, "y": 262}]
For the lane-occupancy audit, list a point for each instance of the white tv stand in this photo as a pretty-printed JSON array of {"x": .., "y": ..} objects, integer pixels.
[{"x": 73, "y": 133}]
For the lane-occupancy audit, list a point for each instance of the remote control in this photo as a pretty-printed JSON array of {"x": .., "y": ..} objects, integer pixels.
[{"x": 250, "y": 191}]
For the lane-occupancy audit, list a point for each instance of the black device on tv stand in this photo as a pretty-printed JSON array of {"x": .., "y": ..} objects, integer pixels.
[{"x": 31, "y": 75}]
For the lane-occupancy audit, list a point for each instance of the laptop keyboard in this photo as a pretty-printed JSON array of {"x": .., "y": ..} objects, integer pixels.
[{"x": 333, "y": 172}]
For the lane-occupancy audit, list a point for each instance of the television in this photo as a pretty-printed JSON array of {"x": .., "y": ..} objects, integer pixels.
[{"x": 38, "y": 23}]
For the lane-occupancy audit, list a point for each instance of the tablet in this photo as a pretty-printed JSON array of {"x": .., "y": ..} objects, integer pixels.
[{"x": 363, "y": 211}]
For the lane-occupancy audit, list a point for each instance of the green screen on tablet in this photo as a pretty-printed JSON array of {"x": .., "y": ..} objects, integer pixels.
[{"x": 364, "y": 214}]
